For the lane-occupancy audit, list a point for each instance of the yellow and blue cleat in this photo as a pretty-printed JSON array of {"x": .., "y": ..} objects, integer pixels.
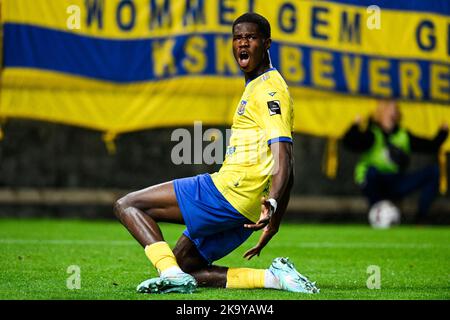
[{"x": 290, "y": 279}]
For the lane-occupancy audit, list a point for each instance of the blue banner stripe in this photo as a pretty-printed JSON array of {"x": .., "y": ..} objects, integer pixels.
[
  {"x": 41, "y": 48},
  {"x": 430, "y": 6},
  {"x": 121, "y": 61},
  {"x": 128, "y": 61}
]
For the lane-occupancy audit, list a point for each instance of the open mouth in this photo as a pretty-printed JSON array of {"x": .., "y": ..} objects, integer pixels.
[{"x": 244, "y": 59}]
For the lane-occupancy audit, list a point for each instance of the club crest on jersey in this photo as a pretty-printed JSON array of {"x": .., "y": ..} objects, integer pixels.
[
  {"x": 241, "y": 108},
  {"x": 274, "y": 107}
]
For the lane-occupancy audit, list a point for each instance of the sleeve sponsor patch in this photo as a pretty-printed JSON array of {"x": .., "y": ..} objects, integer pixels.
[{"x": 274, "y": 107}]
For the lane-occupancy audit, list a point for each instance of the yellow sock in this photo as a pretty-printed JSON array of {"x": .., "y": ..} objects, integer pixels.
[
  {"x": 245, "y": 278},
  {"x": 161, "y": 256}
]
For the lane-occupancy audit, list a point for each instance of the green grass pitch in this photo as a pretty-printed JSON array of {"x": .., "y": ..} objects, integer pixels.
[{"x": 35, "y": 255}]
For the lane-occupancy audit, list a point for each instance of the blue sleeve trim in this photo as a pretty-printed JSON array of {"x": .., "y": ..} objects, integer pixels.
[{"x": 279, "y": 139}]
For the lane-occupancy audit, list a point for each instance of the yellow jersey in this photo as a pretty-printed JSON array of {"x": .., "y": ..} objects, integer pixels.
[{"x": 263, "y": 116}]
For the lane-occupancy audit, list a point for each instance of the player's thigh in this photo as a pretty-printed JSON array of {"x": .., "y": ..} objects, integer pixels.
[{"x": 158, "y": 201}]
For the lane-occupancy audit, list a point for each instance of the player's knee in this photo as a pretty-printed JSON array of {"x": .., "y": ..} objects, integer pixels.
[
  {"x": 183, "y": 263},
  {"x": 187, "y": 258},
  {"x": 182, "y": 258},
  {"x": 120, "y": 207},
  {"x": 187, "y": 264}
]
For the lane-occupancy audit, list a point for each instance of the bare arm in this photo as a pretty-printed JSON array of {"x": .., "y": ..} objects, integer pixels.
[{"x": 282, "y": 182}]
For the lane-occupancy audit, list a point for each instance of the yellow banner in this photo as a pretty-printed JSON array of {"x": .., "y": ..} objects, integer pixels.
[
  {"x": 321, "y": 24},
  {"x": 123, "y": 65}
]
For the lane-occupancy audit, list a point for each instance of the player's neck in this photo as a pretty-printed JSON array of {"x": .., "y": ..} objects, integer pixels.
[{"x": 263, "y": 67}]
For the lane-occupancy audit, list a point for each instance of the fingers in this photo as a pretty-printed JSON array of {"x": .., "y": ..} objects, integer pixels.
[
  {"x": 258, "y": 225},
  {"x": 251, "y": 253},
  {"x": 254, "y": 226},
  {"x": 251, "y": 256}
]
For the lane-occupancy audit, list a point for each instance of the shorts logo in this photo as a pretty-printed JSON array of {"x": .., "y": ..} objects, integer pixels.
[
  {"x": 241, "y": 108},
  {"x": 274, "y": 107}
]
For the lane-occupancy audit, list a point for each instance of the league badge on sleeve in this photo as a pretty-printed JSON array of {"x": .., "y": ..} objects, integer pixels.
[{"x": 274, "y": 107}]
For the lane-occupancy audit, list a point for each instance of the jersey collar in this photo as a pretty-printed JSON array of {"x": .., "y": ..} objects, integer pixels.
[{"x": 250, "y": 80}]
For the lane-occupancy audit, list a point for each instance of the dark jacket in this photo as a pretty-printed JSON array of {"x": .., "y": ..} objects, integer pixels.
[{"x": 361, "y": 141}]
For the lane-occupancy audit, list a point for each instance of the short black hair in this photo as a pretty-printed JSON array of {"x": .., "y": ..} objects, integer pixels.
[{"x": 263, "y": 24}]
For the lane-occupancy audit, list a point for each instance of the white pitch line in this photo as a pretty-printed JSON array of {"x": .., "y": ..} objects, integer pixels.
[
  {"x": 349, "y": 245},
  {"x": 355, "y": 245},
  {"x": 68, "y": 242}
]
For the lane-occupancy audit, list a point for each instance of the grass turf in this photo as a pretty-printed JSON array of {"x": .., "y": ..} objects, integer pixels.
[{"x": 35, "y": 255}]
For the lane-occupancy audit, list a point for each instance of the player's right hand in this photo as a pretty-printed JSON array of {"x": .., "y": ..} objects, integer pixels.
[{"x": 264, "y": 218}]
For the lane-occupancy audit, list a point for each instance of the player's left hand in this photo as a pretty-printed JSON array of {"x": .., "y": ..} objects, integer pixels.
[
  {"x": 255, "y": 251},
  {"x": 264, "y": 218},
  {"x": 267, "y": 234}
]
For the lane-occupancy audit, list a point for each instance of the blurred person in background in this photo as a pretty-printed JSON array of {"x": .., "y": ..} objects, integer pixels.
[{"x": 386, "y": 148}]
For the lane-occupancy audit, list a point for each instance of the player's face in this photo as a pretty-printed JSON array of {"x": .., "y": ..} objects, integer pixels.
[{"x": 249, "y": 46}]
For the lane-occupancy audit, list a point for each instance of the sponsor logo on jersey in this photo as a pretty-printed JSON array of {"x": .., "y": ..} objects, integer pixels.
[{"x": 274, "y": 107}]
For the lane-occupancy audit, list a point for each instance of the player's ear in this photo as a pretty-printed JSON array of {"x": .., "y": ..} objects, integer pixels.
[{"x": 267, "y": 43}]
